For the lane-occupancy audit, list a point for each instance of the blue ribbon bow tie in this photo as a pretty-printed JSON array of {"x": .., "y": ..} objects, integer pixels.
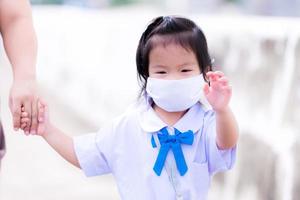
[{"x": 174, "y": 142}]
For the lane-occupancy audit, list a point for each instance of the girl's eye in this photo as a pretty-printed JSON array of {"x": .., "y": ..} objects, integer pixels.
[
  {"x": 161, "y": 72},
  {"x": 186, "y": 70}
]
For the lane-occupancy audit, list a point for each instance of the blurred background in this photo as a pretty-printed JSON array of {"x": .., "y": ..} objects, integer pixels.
[{"x": 86, "y": 71}]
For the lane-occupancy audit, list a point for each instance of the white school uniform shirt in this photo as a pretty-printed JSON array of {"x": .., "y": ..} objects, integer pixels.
[{"x": 124, "y": 149}]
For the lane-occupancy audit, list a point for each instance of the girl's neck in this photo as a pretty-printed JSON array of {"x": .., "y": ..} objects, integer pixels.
[{"x": 170, "y": 118}]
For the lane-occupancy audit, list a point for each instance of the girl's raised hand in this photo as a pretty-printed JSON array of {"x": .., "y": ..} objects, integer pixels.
[{"x": 218, "y": 93}]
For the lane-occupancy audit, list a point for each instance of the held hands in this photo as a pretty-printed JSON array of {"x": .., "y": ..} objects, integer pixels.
[
  {"x": 43, "y": 119},
  {"x": 218, "y": 93},
  {"x": 59, "y": 141},
  {"x": 23, "y": 93}
]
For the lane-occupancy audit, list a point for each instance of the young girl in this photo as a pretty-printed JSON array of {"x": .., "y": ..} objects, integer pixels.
[{"x": 169, "y": 144}]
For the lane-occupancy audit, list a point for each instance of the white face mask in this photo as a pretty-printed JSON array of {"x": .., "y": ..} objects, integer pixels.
[{"x": 176, "y": 95}]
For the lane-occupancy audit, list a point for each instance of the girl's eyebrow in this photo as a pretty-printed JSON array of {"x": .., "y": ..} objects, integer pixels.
[
  {"x": 159, "y": 66},
  {"x": 180, "y": 65},
  {"x": 186, "y": 63}
]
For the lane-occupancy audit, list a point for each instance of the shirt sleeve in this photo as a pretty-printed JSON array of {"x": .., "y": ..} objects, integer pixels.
[
  {"x": 92, "y": 151},
  {"x": 218, "y": 160}
]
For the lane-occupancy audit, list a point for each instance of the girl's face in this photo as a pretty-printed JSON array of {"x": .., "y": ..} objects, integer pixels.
[{"x": 172, "y": 62}]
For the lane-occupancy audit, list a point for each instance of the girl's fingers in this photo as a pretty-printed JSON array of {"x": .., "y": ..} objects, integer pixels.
[
  {"x": 24, "y": 129},
  {"x": 216, "y": 80},
  {"x": 42, "y": 102},
  {"x": 216, "y": 74},
  {"x": 227, "y": 87},
  {"x": 220, "y": 85},
  {"x": 27, "y": 106},
  {"x": 223, "y": 81},
  {"x": 219, "y": 73},
  {"x": 215, "y": 86},
  {"x": 209, "y": 73},
  {"x": 24, "y": 114},
  {"x": 211, "y": 77},
  {"x": 23, "y": 125},
  {"x": 25, "y": 120},
  {"x": 206, "y": 88}
]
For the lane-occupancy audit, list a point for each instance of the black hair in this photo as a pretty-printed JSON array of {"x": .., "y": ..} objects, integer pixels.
[{"x": 171, "y": 29}]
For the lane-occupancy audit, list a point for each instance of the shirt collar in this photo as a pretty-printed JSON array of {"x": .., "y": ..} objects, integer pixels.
[{"x": 150, "y": 121}]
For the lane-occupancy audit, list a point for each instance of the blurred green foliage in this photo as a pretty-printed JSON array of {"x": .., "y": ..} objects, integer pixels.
[{"x": 122, "y": 2}]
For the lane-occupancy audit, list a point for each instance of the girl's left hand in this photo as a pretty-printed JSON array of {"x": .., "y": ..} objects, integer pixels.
[{"x": 219, "y": 92}]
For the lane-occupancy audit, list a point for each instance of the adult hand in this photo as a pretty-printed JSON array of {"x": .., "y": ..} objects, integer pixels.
[{"x": 24, "y": 93}]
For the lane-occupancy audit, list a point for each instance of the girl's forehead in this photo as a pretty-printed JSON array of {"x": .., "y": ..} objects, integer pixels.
[
  {"x": 169, "y": 39},
  {"x": 171, "y": 55},
  {"x": 171, "y": 50}
]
